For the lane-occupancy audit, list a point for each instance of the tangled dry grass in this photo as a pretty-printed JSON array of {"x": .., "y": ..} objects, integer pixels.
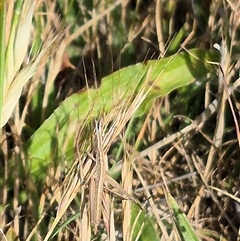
[{"x": 152, "y": 154}]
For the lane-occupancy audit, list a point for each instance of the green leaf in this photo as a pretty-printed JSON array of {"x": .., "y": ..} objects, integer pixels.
[
  {"x": 143, "y": 225},
  {"x": 54, "y": 139},
  {"x": 65, "y": 223},
  {"x": 184, "y": 228}
]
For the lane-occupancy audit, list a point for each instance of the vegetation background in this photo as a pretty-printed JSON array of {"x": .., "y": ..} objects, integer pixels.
[{"x": 185, "y": 143}]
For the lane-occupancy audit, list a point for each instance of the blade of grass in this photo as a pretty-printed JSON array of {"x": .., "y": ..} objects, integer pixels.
[
  {"x": 166, "y": 75},
  {"x": 65, "y": 223},
  {"x": 184, "y": 228},
  {"x": 142, "y": 225}
]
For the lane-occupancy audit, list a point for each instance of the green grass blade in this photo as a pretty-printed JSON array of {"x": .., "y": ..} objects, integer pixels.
[
  {"x": 65, "y": 223},
  {"x": 184, "y": 228},
  {"x": 142, "y": 225},
  {"x": 55, "y": 137}
]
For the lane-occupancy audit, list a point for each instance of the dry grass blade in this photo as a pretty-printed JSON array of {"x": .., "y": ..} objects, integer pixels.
[
  {"x": 68, "y": 197},
  {"x": 2, "y": 236},
  {"x": 127, "y": 180},
  {"x": 92, "y": 22},
  {"x": 98, "y": 180},
  {"x": 151, "y": 201},
  {"x": 219, "y": 131},
  {"x": 176, "y": 140},
  {"x": 226, "y": 193},
  {"x": 205, "y": 187},
  {"x": 74, "y": 186}
]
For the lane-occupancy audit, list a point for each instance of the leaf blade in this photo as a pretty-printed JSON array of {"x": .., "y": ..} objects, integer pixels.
[
  {"x": 184, "y": 228},
  {"x": 75, "y": 109}
]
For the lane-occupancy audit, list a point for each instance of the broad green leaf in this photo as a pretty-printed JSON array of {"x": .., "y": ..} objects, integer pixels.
[
  {"x": 142, "y": 225},
  {"x": 54, "y": 139},
  {"x": 184, "y": 228}
]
